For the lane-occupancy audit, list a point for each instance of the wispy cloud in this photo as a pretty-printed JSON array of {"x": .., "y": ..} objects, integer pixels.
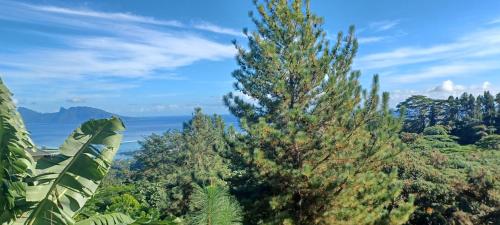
[
  {"x": 217, "y": 29},
  {"x": 125, "y": 56},
  {"x": 76, "y": 100},
  {"x": 472, "y": 53},
  {"x": 383, "y": 25},
  {"x": 108, "y": 45},
  {"x": 451, "y": 69},
  {"x": 494, "y": 21},
  {"x": 123, "y": 17},
  {"x": 373, "y": 32},
  {"x": 373, "y": 39},
  {"x": 72, "y": 16},
  {"x": 96, "y": 57}
]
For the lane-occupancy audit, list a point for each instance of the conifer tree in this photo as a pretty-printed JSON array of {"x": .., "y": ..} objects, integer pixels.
[
  {"x": 453, "y": 111},
  {"x": 464, "y": 109},
  {"x": 314, "y": 142},
  {"x": 488, "y": 109},
  {"x": 214, "y": 206},
  {"x": 497, "y": 121},
  {"x": 433, "y": 115},
  {"x": 417, "y": 113},
  {"x": 478, "y": 115}
]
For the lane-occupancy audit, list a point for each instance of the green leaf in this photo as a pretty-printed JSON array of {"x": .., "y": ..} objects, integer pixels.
[
  {"x": 119, "y": 219},
  {"x": 108, "y": 219},
  {"x": 66, "y": 181},
  {"x": 15, "y": 161}
]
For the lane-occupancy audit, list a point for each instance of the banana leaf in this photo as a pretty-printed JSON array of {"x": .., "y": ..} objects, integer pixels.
[
  {"x": 15, "y": 161},
  {"x": 119, "y": 219},
  {"x": 65, "y": 182},
  {"x": 108, "y": 219}
]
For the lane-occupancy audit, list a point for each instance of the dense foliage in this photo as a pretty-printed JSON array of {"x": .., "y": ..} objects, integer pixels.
[
  {"x": 312, "y": 147},
  {"x": 15, "y": 159},
  {"x": 53, "y": 189},
  {"x": 184, "y": 159},
  {"x": 452, "y": 183},
  {"x": 468, "y": 117},
  {"x": 314, "y": 143}
]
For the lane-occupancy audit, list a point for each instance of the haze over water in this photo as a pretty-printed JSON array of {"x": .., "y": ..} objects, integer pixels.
[{"x": 52, "y": 135}]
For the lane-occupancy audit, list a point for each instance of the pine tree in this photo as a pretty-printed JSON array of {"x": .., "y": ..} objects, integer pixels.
[
  {"x": 488, "y": 108},
  {"x": 315, "y": 144},
  {"x": 463, "y": 103},
  {"x": 433, "y": 115},
  {"x": 497, "y": 120},
  {"x": 477, "y": 111},
  {"x": 439, "y": 110},
  {"x": 213, "y": 205},
  {"x": 453, "y": 111},
  {"x": 417, "y": 113}
]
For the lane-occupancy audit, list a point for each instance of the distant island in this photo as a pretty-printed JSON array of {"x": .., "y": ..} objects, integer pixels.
[
  {"x": 72, "y": 115},
  {"x": 80, "y": 114},
  {"x": 51, "y": 129}
]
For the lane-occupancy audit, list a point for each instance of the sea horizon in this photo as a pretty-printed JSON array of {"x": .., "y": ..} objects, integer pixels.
[{"x": 52, "y": 135}]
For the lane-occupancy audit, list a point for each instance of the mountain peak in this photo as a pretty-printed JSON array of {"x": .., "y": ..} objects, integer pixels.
[{"x": 77, "y": 114}]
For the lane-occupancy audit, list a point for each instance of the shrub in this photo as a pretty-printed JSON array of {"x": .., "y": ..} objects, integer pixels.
[
  {"x": 490, "y": 142},
  {"x": 408, "y": 137},
  {"x": 435, "y": 130}
]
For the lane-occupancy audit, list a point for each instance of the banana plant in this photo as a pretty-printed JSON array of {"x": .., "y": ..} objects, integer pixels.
[
  {"x": 52, "y": 190},
  {"x": 121, "y": 219},
  {"x": 16, "y": 162}
]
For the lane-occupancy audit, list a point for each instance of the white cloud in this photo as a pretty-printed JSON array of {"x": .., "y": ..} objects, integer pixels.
[
  {"x": 473, "y": 53},
  {"x": 183, "y": 107},
  {"x": 123, "y": 17},
  {"x": 411, "y": 55},
  {"x": 76, "y": 100},
  {"x": 445, "y": 70},
  {"x": 373, "y": 39},
  {"x": 383, "y": 25},
  {"x": 91, "y": 19},
  {"x": 98, "y": 57},
  {"x": 217, "y": 29},
  {"x": 486, "y": 85},
  {"x": 494, "y": 21},
  {"x": 444, "y": 90},
  {"x": 109, "y": 45},
  {"x": 448, "y": 86},
  {"x": 245, "y": 97}
]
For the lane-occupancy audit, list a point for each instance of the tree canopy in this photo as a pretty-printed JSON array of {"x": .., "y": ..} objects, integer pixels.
[{"x": 314, "y": 143}]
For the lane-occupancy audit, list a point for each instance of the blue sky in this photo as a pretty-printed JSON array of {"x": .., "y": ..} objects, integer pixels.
[{"x": 166, "y": 57}]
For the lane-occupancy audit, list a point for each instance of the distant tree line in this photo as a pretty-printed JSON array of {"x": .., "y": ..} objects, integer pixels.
[{"x": 468, "y": 117}]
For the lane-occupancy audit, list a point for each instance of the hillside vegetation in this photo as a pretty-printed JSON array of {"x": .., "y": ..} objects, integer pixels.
[{"x": 312, "y": 148}]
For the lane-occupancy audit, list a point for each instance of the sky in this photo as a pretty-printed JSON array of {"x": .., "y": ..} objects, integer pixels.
[{"x": 155, "y": 57}]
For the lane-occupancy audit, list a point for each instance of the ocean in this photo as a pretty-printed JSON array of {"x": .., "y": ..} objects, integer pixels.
[{"x": 52, "y": 135}]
